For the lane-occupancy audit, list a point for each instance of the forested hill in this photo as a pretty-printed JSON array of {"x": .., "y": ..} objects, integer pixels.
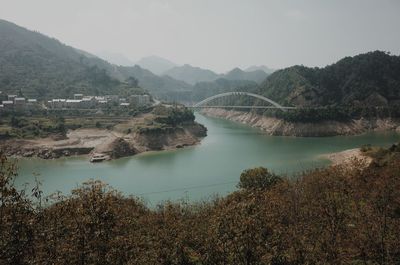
[
  {"x": 39, "y": 66},
  {"x": 370, "y": 79},
  {"x": 43, "y": 67}
]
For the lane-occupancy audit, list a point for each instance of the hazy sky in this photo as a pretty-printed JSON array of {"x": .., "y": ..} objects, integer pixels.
[{"x": 217, "y": 34}]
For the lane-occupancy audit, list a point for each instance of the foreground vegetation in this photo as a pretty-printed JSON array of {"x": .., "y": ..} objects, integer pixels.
[{"x": 338, "y": 215}]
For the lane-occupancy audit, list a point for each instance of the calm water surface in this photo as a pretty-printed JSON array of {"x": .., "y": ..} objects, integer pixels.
[{"x": 198, "y": 172}]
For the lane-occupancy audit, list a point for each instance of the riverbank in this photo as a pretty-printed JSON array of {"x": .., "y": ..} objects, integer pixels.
[
  {"x": 145, "y": 132},
  {"x": 100, "y": 141},
  {"x": 279, "y": 127},
  {"x": 347, "y": 156}
]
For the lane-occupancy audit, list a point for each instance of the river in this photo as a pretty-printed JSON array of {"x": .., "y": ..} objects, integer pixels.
[{"x": 198, "y": 172}]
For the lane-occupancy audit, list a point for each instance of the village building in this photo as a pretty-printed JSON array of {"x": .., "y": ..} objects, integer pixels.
[
  {"x": 11, "y": 97},
  {"x": 19, "y": 102},
  {"x": 139, "y": 100},
  {"x": 112, "y": 98},
  {"x": 58, "y": 103},
  {"x": 78, "y": 96},
  {"x": 73, "y": 103},
  {"x": 32, "y": 103},
  {"x": 8, "y": 104}
]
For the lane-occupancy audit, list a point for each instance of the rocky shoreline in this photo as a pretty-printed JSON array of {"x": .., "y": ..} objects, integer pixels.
[
  {"x": 111, "y": 143},
  {"x": 278, "y": 127}
]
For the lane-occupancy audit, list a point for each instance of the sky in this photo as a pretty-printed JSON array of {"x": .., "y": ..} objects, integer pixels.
[{"x": 217, "y": 34}]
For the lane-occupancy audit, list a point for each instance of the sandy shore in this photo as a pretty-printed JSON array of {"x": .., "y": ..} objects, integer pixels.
[{"x": 347, "y": 156}]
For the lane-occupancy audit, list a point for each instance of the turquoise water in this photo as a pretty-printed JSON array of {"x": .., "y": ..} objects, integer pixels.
[{"x": 198, "y": 172}]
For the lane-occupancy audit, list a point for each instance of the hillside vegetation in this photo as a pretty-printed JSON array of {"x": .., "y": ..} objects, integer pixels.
[
  {"x": 43, "y": 67},
  {"x": 370, "y": 79},
  {"x": 337, "y": 215}
]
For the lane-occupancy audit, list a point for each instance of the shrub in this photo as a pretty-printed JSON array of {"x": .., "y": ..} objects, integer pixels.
[{"x": 257, "y": 178}]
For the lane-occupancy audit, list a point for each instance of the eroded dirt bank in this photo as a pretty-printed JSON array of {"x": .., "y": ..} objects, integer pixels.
[
  {"x": 112, "y": 143},
  {"x": 273, "y": 126}
]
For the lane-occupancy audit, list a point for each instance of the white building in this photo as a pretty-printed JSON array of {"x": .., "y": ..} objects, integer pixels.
[
  {"x": 140, "y": 100},
  {"x": 32, "y": 103},
  {"x": 88, "y": 102},
  {"x": 78, "y": 96},
  {"x": 112, "y": 98},
  {"x": 19, "y": 102},
  {"x": 58, "y": 103},
  {"x": 73, "y": 103},
  {"x": 8, "y": 103},
  {"x": 11, "y": 97}
]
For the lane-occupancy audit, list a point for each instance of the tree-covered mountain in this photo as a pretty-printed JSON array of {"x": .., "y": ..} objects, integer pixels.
[
  {"x": 370, "y": 79},
  {"x": 191, "y": 74},
  {"x": 38, "y": 66},
  {"x": 43, "y": 67},
  {"x": 155, "y": 64},
  {"x": 237, "y": 74}
]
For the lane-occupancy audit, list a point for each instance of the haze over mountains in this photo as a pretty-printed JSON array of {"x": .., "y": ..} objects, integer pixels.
[
  {"x": 40, "y": 66},
  {"x": 35, "y": 65},
  {"x": 260, "y": 67},
  {"x": 115, "y": 58},
  {"x": 156, "y": 64},
  {"x": 188, "y": 73}
]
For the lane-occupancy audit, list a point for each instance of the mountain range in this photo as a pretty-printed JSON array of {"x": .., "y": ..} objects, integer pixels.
[
  {"x": 42, "y": 67},
  {"x": 193, "y": 75},
  {"x": 38, "y": 66}
]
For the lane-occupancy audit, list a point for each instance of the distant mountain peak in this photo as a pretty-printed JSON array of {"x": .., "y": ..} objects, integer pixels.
[
  {"x": 235, "y": 70},
  {"x": 260, "y": 67},
  {"x": 238, "y": 74},
  {"x": 191, "y": 74},
  {"x": 156, "y": 64},
  {"x": 115, "y": 58}
]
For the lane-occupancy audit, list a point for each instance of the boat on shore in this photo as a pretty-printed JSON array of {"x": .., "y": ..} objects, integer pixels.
[{"x": 99, "y": 158}]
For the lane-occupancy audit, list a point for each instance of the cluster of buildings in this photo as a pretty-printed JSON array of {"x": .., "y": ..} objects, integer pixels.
[
  {"x": 15, "y": 102},
  {"x": 79, "y": 101},
  {"x": 90, "y": 102}
]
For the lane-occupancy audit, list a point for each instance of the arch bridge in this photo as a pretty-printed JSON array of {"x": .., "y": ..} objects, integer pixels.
[{"x": 273, "y": 104}]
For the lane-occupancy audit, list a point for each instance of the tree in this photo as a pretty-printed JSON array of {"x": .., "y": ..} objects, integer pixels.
[
  {"x": 257, "y": 178},
  {"x": 132, "y": 81}
]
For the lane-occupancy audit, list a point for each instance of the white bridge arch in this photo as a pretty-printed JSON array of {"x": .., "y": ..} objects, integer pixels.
[{"x": 205, "y": 101}]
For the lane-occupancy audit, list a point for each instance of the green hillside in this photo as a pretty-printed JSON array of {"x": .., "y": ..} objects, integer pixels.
[
  {"x": 370, "y": 79},
  {"x": 42, "y": 67}
]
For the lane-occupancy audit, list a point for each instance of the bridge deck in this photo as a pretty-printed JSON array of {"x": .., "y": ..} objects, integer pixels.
[{"x": 240, "y": 107}]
